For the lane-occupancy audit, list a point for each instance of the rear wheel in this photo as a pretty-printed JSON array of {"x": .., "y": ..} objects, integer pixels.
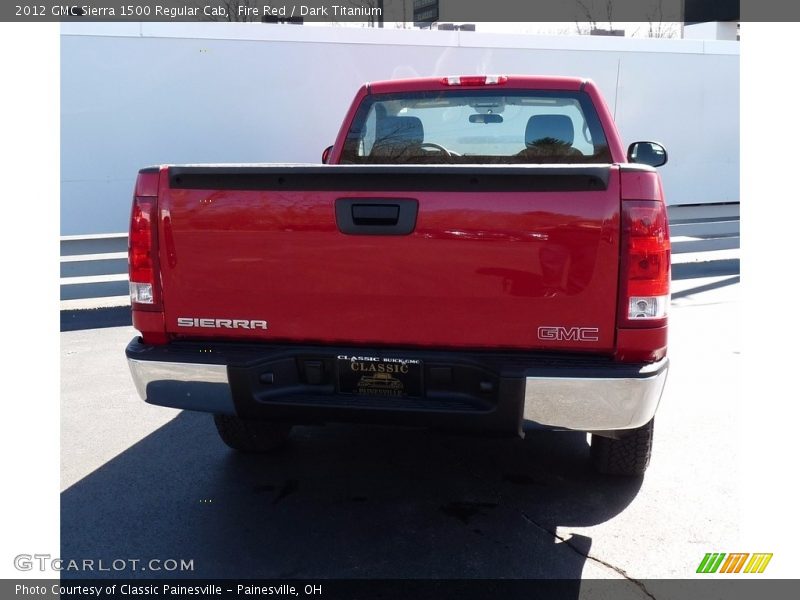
[
  {"x": 251, "y": 435},
  {"x": 628, "y": 455}
]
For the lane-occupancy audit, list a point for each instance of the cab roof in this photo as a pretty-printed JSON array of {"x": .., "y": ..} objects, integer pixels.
[{"x": 424, "y": 84}]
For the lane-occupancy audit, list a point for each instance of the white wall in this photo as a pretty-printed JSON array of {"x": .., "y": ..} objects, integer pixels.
[
  {"x": 135, "y": 94},
  {"x": 712, "y": 30}
]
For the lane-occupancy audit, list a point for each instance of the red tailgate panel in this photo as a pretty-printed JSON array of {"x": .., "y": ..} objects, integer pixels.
[{"x": 479, "y": 271}]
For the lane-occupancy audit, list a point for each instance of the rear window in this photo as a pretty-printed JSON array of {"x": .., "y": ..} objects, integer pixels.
[{"x": 476, "y": 127}]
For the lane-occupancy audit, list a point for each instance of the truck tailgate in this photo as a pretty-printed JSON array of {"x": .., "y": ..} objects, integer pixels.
[{"x": 444, "y": 257}]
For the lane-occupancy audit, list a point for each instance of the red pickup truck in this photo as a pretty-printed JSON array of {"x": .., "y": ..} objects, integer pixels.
[{"x": 478, "y": 253}]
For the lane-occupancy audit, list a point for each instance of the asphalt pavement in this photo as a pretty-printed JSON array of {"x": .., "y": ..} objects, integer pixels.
[{"x": 143, "y": 482}]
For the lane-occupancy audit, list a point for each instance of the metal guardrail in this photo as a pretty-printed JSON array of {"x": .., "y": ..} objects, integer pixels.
[
  {"x": 94, "y": 267},
  {"x": 701, "y": 233},
  {"x": 94, "y": 270}
]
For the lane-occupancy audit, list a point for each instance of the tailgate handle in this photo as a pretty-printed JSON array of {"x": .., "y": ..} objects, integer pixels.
[{"x": 376, "y": 216}]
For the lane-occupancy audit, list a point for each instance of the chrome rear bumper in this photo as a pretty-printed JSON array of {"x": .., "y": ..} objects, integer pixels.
[
  {"x": 190, "y": 386},
  {"x": 603, "y": 397},
  {"x": 596, "y": 403}
]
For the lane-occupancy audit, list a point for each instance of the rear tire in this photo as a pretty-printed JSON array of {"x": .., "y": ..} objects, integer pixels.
[
  {"x": 628, "y": 456},
  {"x": 251, "y": 435}
]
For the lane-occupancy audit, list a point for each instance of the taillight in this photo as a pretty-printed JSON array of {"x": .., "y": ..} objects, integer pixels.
[
  {"x": 143, "y": 249},
  {"x": 645, "y": 268},
  {"x": 473, "y": 80}
]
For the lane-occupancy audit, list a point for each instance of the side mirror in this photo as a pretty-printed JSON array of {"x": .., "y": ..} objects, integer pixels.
[
  {"x": 326, "y": 154},
  {"x": 647, "y": 153}
]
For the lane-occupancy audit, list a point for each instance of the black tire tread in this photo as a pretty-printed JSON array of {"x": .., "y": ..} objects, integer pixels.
[
  {"x": 250, "y": 435},
  {"x": 628, "y": 456}
]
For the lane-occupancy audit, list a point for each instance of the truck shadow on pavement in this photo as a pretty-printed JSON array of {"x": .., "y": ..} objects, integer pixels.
[
  {"x": 344, "y": 502},
  {"x": 98, "y": 318}
]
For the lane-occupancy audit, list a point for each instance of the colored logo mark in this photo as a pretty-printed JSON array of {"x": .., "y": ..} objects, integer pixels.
[{"x": 719, "y": 562}]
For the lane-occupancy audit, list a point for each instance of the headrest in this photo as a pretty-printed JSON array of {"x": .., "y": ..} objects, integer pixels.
[
  {"x": 407, "y": 130},
  {"x": 557, "y": 127}
]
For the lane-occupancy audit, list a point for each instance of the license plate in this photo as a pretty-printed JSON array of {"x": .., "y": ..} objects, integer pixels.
[{"x": 380, "y": 376}]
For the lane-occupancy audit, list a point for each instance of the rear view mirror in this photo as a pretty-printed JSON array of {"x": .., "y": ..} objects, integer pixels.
[
  {"x": 485, "y": 118},
  {"x": 326, "y": 154},
  {"x": 647, "y": 153}
]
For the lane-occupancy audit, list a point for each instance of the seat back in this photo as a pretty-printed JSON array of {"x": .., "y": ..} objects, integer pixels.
[
  {"x": 549, "y": 129},
  {"x": 396, "y": 137}
]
